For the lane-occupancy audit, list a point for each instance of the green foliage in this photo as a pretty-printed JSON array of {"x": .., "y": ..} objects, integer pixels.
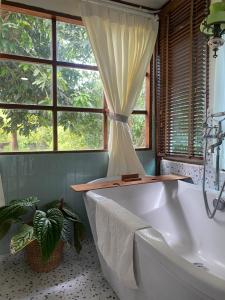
[
  {"x": 27, "y": 202},
  {"x": 54, "y": 222},
  {"x": 11, "y": 212},
  {"x": 21, "y": 82},
  {"x": 70, "y": 47},
  {"x": 78, "y": 227},
  {"x": 51, "y": 204},
  {"x": 79, "y": 88},
  {"x": 80, "y": 131},
  {"x": 67, "y": 232},
  {"x": 25, "y": 35},
  {"x": 141, "y": 103},
  {"x": 20, "y": 240},
  {"x": 138, "y": 130},
  {"x": 47, "y": 229},
  {"x": 73, "y": 230},
  {"x": 4, "y": 228},
  {"x": 25, "y": 83}
]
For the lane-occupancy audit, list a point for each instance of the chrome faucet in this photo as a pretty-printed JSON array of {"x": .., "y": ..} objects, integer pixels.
[
  {"x": 219, "y": 135},
  {"x": 215, "y": 145}
]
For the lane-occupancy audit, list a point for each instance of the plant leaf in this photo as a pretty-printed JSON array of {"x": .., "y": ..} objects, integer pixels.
[
  {"x": 4, "y": 228},
  {"x": 11, "y": 212},
  {"x": 67, "y": 232},
  {"x": 48, "y": 228},
  {"x": 26, "y": 202},
  {"x": 52, "y": 204},
  {"x": 69, "y": 213},
  {"x": 24, "y": 236}
]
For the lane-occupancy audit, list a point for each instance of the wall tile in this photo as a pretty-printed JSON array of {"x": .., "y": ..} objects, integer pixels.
[
  {"x": 49, "y": 176},
  {"x": 194, "y": 171}
]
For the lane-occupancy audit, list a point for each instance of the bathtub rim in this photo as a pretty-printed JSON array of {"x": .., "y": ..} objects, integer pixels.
[
  {"x": 184, "y": 268},
  {"x": 184, "y": 181},
  {"x": 192, "y": 276}
]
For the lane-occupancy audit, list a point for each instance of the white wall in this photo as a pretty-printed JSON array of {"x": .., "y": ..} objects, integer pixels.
[{"x": 71, "y": 7}]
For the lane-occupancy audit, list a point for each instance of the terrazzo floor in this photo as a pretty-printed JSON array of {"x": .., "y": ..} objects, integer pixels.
[{"x": 77, "y": 278}]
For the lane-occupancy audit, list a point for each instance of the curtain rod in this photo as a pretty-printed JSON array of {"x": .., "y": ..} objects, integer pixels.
[
  {"x": 147, "y": 8},
  {"x": 122, "y": 6}
]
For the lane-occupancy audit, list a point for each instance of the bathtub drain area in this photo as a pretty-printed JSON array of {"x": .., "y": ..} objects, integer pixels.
[{"x": 200, "y": 265}]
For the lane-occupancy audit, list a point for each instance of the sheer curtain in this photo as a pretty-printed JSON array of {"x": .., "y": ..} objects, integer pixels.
[
  {"x": 219, "y": 94},
  {"x": 123, "y": 44}
]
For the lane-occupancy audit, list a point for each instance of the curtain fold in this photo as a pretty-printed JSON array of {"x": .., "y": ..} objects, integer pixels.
[{"x": 123, "y": 44}]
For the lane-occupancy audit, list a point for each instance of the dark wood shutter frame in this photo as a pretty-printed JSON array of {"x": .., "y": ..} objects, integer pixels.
[{"x": 181, "y": 80}]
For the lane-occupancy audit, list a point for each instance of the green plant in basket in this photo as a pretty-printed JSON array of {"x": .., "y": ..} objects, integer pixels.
[{"x": 48, "y": 225}]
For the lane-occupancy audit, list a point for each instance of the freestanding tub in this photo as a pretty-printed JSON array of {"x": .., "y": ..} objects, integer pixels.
[{"x": 182, "y": 255}]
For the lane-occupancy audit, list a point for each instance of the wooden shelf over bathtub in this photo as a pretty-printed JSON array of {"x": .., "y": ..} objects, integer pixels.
[{"x": 115, "y": 183}]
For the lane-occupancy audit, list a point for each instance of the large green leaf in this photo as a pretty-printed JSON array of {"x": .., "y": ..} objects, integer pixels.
[
  {"x": 52, "y": 204},
  {"x": 10, "y": 212},
  {"x": 73, "y": 233},
  {"x": 48, "y": 228},
  {"x": 60, "y": 204},
  {"x": 67, "y": 211},
  {"x": 22, "y": 238},
  {"x": 26, "y": 202},
  {"x": 78, "y": 227},
  {"x": 67, "y": 231},
  {"x": 16, "y": 209},
  {"x": 4, "y": 228}
]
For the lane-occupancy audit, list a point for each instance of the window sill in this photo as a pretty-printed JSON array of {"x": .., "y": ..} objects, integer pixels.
[
  {"x": 61, "y": 152},
  {"x": 194, "y": 161}
]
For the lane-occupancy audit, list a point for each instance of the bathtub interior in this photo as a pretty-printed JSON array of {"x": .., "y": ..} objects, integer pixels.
[{"x": 176, "y": 210}]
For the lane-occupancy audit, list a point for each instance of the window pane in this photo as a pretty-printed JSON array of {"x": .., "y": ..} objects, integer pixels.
[
  {"x": 80, "y": 88},
  {"x": 73, "y": 44},
  {"x": 25, "y": 35},
  {"x": 23, "y": 130},
  {"x": 141, "y": 102},
  {"x": 24, "y": 83},
  {"x": 80, "y": 131},
  {"x": 138, "y": 130}
]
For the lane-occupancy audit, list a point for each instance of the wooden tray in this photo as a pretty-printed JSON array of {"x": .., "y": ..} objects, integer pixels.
[{"x": 115, "y": 183}]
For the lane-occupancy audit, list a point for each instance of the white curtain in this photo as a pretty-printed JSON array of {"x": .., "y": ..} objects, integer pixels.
[
  {"x": 219, "y": 95},
  {"x": 123, "y": 44}
]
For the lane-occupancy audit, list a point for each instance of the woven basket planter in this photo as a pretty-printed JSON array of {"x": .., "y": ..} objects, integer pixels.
[{"x": 34, "y": 260}]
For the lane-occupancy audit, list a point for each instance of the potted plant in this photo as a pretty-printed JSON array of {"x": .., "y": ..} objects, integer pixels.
[{"x": 42, "y": 232}]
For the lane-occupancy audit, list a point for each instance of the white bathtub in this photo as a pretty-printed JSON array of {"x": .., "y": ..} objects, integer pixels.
[{"x": 182, "y": 257}]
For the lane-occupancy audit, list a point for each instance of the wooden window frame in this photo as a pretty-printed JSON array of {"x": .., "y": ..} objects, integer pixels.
[
  {"x": 54, "y": 63},
  {"x": 189, "y": 158}
]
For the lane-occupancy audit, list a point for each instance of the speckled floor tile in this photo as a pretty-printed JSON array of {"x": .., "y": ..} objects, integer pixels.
[{"x": 77, "y": 278}]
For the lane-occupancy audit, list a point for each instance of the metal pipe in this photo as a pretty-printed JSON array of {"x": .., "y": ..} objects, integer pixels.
[{"x": 217, "y": 179}]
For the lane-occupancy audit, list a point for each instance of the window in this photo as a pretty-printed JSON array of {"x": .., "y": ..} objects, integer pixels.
[
  {"x": 182, "y": 89},
  {"x": 51, "y": 95}
]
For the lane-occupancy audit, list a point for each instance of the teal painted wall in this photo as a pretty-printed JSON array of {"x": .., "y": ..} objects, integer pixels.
[{"x": 49, "y": 176}]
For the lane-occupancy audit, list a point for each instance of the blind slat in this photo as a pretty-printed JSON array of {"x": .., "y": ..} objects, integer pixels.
[{"x": 182, "y": 73}]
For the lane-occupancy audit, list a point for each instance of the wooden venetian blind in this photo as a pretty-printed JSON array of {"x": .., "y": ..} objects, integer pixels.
[{"x": 182, "y": 79}]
